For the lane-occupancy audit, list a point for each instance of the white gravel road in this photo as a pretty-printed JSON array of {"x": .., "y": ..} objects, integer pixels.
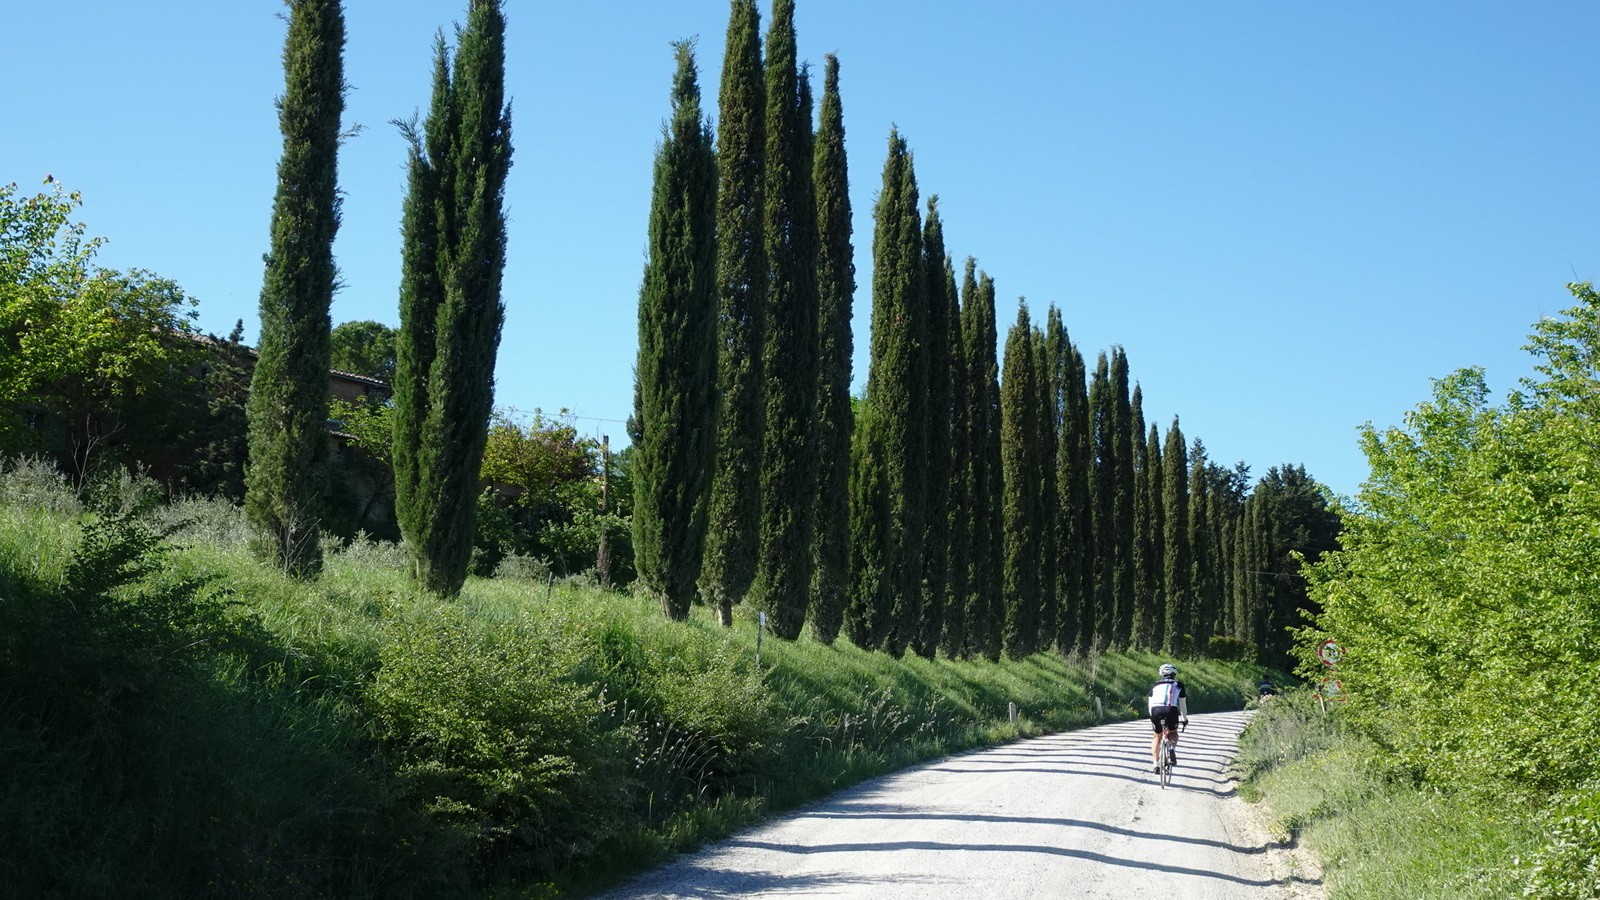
[{"x": 1076, "y": 815}]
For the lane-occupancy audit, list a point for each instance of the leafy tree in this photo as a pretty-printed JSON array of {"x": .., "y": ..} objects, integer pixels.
[
  {"x": 451, "y": 310},
  {"x": 789, "y": 355},
  {"x": 287, "y": 480},
  {"x": 84, "y": 352},
  {"x": 677, "y": 354},
  {"x": 364, "y": 348},
  {"x": 836, "y": 287},
  {"x": 733, "y": 522}
]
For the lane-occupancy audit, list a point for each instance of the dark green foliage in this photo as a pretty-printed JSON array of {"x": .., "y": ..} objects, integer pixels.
[
  {"x": 789, "y": 355},
  {"x": 1178, "y": 572},
  {"x": 1203, "y": 579},
  {"x": 288, "y": 405},
  {"x": 888, "y": 473},
  {"x": 1299, "y": 527},
  {"x": 961, "y": 529},
  {"x": 1122, "y": 501},
  {"x": 1148, "y": 629},
  {"x": 1019, "y": 448},
  {"x": 1075, "y": 560},
  {"x": 364, "y": 348},
  {"x": 985, "y": 608},
  {"x": 733, "y": 523},
  {"x": 939, "y": 291},
  {"x": 1100, "y": 610},
  {"x": 1047, "y": 503},
  {"x": 836, "y": 287},
  {"x": 677, "y": 354},
  {"x": 454, "y": 231}
]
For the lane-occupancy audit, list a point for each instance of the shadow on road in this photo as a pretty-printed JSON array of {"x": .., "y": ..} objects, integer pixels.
[{"x": 867, "y": 812}]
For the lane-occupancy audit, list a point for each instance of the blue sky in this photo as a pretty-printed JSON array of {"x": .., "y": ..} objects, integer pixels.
[{"x": 1291, "y": 216}]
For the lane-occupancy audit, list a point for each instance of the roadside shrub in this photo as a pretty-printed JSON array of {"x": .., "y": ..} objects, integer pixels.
[
  {"x": 31, "y": 482},
  {"x": 1568, "y": 866},
  {"x": 363, "y": 550},
  {"x": 489, "y": 731},
  {"x": 1286, "y": 729},
  {"x": 1230, "y": 649},
  {"x": 523, "y": 568},
  {"x": 212, "y": 521}
]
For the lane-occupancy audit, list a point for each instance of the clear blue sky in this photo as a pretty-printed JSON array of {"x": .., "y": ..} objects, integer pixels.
[{"x": 1292, "y": 216}]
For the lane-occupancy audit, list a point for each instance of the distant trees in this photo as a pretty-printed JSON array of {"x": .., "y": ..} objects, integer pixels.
[
  {"x": 288, "y": 405},
  {"x": 450, "y": 305},
  {"x": 364, "y": 348},
  {"x": 677, "y": 354}
]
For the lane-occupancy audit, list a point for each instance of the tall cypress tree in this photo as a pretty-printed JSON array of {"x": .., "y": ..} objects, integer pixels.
[
  {"x": 287, "y": 408},
  {"x": 836, "y": 287},
  {"x": 985, "y": 614},
  {"x": 677, "y": 354},
  {"x": 1149, "y": 638},
  {"x": 1143, "y": 587},
  {"x": 1019, "y": 444},
  {"x": 1202, "y": 582},
  {"x": 887, "y": 485},
  {"x": 789, "y": 355},
  {"x": 733, "y": 522},
  {"x": 1046, "y": 504},
  {"x": 1177, "y": 574},
  {"x": 451, "y": 311},
  {"x": 1102, "y": 502},
  {"x": 937, "y": 281},
  {"x": 1122, "y": 473},
  {"x": 958, "y": 507},
  {"x": 1074, "y": 470}
]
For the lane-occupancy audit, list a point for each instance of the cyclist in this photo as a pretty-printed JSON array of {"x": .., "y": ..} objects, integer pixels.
[
  {"x": 1266, "y": 690},
  {"x": 1168, "y": 701}
]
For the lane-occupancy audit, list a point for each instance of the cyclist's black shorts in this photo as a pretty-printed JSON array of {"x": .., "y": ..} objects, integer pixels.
[{"x": 1164, "y": 718}]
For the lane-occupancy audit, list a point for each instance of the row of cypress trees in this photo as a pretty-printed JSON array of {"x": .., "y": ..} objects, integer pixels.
[
  {"x": 450, "y": 298},
  {"x": 951, "y": 510}
]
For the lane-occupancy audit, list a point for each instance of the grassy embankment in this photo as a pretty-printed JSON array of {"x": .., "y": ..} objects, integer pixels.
[
  {"x": 1382, "y": 833},
  {"x": 177, "y": 719}
]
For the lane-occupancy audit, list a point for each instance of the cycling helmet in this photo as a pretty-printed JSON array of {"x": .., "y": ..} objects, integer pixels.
[{"x": 1168, "y": 670}]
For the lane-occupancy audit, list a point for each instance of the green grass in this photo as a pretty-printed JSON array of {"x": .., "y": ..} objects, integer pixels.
[{"x": 200, "y": 723}]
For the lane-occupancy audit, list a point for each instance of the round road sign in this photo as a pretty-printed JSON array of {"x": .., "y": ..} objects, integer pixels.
[{"x": 1330, "y": 652}]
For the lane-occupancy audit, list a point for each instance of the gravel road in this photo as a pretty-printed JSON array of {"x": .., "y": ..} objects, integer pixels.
[{"x": 1075, "y": 815}]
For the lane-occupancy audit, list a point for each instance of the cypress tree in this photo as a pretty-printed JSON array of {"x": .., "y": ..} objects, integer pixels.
[
  {"x": 454, "y": 232},
  {"x": 1122, "y": 563},
  {"x": 733, "y": 522},
  {"x": 958, "y": 508},
  {"x": 287, "y": 408},
  {"x": 1046, "y": 505},
  {"x": 1074, "y": 470},
  {"x": 1068, "y": 478},
  {"x": 1177, "y": 575},
  {"x": 836, "y": 287},
  {"x": 889, "y": 569},
  {"x": 677, "y": 353},
  {"x": 1143, "y": 586},
  {"x": 1156, "y": 554},
  {"x": 985, "y": 612},
  {"x": 1019, "y": 471},
  {"x": 1102, "y": 502},
  {"x": 938, "y": 281},
  {"x": 1200, "y": 528},
  {"x": 789, "y": 356}
]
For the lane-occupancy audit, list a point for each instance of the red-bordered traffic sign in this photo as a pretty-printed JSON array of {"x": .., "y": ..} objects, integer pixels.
[
  {"x": 1329, "y": 689},
  {"x": 1330, "y": 652}
]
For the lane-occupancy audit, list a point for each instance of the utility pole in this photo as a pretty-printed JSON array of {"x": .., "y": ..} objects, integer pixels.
[{"x": 602, "y": 554}]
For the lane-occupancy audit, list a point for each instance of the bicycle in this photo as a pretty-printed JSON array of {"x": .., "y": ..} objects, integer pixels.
[{"x": 1169, "y": 756}]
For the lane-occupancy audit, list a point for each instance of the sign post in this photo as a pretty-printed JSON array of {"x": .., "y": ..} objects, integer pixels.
[{"x": 1329, "y": 654}]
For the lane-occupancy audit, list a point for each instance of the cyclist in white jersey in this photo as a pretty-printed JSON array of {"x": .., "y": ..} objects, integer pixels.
[{"x": 1168, "y": 701}]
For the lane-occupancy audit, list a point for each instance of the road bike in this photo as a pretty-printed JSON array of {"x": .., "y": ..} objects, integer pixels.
[{"x": 1169, "y": 756}]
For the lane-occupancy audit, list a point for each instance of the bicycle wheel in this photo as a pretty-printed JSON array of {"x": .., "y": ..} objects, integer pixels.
[{"x": 1166, "y": 761}]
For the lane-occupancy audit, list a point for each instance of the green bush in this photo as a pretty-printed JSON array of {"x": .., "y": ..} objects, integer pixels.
[
  {"x": 1567, "y": 867},
  {"x": 1230, "y": 649},
  {"x": 491, "y": 734}
]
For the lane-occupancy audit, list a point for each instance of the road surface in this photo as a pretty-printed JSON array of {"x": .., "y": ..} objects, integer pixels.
[{"x": 1076, "y": 815}]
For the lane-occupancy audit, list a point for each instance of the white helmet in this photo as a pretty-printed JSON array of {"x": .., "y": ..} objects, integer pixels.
[{"x": 1168, "y": 670}]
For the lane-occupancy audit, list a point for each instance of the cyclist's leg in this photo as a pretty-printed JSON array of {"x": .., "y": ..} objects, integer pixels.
[{"x": 1158, "y": 722}]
